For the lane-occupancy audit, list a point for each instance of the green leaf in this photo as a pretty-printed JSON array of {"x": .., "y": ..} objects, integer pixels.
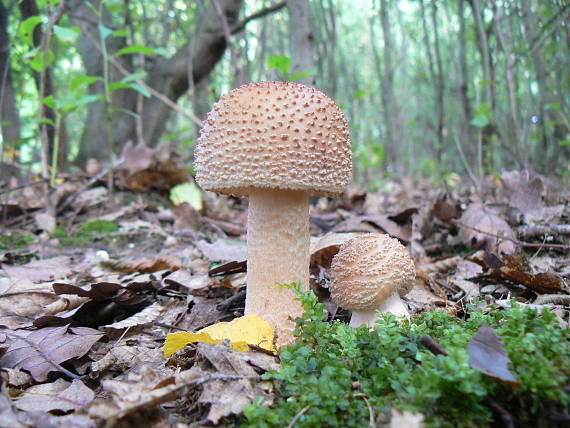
[
  {"x": 359, "y": 93},
  {"x": 121, "y": 32},
  {"x": 280, "y": 62},
  {"x": 302, "y": 74},
  {"x": 104, "y": 31},
  {"x": 49, "y": 101},
  {"x": 140, "y": 89},
  {"x": 78, "y": 81},
  {"x": 41, "y": 60},
  {"x": 480, "y": 120},
  {"x": 119, "y": 85},
  {"x": 27, "y": 28},
  {"x": 67, "y": 34},
  {"x": 189, "y": 193},
  {"x": 134, "y": 76},
  {"x": 135, "y": 49}
]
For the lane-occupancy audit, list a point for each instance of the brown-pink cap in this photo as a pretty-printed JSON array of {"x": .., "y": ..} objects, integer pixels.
[
  {"x": 281, "y": 135},
  {"x": 367, "y": 269}
]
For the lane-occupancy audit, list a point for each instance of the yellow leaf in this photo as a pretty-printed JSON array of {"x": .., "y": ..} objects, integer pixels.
[{"x": 250, "y": 329}]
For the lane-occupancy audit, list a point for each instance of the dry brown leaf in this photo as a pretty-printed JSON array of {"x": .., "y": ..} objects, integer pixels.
[
  {"x": 146, "y": 316},
  {"x": 516, "y": 270},
  {"x": 60, "y": 396},
  {"x": 121, "y": 358},
  {"x": 488, "y": 355},
  {"x": 185, "y": 279},
  {"x": 223, "y": 250},
  {"x": 8, "y": 416},
  {"x": 41, "y": 270},
  {"x": 228, "y": 397},
  {"x": 481, "y": 227},
  {"x": 41, "y": 351}
]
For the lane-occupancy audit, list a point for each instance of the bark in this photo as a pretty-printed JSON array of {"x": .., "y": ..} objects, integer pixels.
[
  {"x": 302, "y": 39},
  {"x": 439, "y": 85},
  {"x": 99, "y": 128},
  {"x": 167, "y": 76},
  {"x": 9, "y": 114},
  {"x": 464, "y": 82},
  {"x": 389, "y": 102}
]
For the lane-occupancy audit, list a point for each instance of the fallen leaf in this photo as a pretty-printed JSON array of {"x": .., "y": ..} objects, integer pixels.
[
  {"x": 223, "y": 250},
  {"x": 230, "y": 396},
  {"x": 188, "y": 193},
  {"x": 250, "y": 329},
  {"x": 120, "y": 358},
  {"x": 488, "y": 355},
  {"x": 516, "y": 270},
  {"x": 60, "y": 395},
  {"x": 41, "y": 270},
  {"x": 41, "y": 351},
  {"x": 146, "y": 316},
  {"x": 481, "y": 227}
]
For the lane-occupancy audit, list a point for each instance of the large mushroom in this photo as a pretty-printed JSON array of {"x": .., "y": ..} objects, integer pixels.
[
  {"x": 369, "y": 274},
  {"x": 276, "y": 143}
]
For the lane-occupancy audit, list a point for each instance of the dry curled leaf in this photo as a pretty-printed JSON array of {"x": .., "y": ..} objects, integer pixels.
[
  {"x": 482, "y": 227},
  {"x": 488, "y": 355},
  {"x": 41, "y": 351}
]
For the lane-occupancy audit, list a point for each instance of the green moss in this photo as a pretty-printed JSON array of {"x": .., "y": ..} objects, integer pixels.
[
  {"x": 333, "y": 370},
  {"x": 14, "y": 241},
  {"x": 99, "y": 227}
]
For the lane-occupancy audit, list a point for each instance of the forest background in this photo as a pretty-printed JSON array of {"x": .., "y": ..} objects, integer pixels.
[{"x": 429, "y": 87}]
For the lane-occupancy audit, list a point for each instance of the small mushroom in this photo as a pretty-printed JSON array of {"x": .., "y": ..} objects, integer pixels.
[
  {"x": 276, "y": 143},
  {"x": 370, "y": 273}
]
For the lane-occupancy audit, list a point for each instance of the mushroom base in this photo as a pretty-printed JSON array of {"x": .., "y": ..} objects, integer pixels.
[
  {"x": 277, "y": 253},
  {"x": 392, "y": 304}
]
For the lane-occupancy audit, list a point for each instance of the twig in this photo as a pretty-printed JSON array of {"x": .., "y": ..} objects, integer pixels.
[
  {"x": 259, "y": 14},
  {"x": 99, "y": 176},
  {"x": 515, "y": 241},
  {"x": 506, "y": 417},
  {"x": 432, "y": 345},
  {"x": 552, "y": 299},
  {"x": 297, "y": 416}
]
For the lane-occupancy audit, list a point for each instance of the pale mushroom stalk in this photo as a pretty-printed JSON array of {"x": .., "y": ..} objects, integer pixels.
[
  {"x": 277, "y": 253},
  {"x": 392, "y": 304}
]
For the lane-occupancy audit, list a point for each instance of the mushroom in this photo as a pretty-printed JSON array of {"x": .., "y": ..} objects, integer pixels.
[
  {"x": 370, "y": 273},
  {"x": 276, "y": 143}
]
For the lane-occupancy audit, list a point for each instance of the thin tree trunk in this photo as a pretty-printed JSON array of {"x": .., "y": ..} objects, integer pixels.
[
  {"x": 302, "y": 39},
  {"x": 9, "y": 114},
  {"x": 439, "y": 85},
  {"x": 390, "y": 105},
  {"x": 29, "y": 8},
  {"x": 466, "y": 134}
]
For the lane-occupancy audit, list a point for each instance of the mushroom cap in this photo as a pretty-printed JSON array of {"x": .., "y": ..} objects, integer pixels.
[
  {"x": 280, "y": 135},
  {"x": 367, "y": 269}
]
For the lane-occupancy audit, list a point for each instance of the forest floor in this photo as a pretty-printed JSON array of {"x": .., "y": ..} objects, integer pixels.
[{"x": 85, "y": 306}]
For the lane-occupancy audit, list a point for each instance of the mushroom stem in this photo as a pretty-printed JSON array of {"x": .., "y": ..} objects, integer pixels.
[
  {"x": 392, "y": 304},
  {"x": 277, "y": 253}
]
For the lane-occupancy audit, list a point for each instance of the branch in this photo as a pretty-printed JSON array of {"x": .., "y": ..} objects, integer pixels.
[{"x": 259, "y": 14}]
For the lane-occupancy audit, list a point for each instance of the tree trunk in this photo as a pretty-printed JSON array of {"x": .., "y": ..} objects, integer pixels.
[
  {"x": 9, "y": 114},
  {"x": 389, "y": 102},
  {"x": 167, "y": 76},
  {"x": 466, "y": 128},
  {"x": 302, "y": 39},
  {"x": 439, "y": 86}
]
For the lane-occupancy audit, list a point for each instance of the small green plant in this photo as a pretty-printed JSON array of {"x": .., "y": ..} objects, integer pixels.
[
  {"x": 14, "y": 241},
  {"x": 338, "y": 376},
  {"x": 99, "y": 227}
]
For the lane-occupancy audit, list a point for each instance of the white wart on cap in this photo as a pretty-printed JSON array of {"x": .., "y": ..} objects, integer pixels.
[
  {"x": 367, "y": 275},
  {"x": 277, "y": 143}
]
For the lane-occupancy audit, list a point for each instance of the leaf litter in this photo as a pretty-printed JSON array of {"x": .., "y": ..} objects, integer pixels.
[{"x": 73, "y": 323}]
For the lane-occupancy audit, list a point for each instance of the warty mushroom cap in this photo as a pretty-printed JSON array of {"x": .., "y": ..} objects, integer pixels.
[
  {"x": 367, "y": 269},
  {"x": 281, "y": 135}
]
